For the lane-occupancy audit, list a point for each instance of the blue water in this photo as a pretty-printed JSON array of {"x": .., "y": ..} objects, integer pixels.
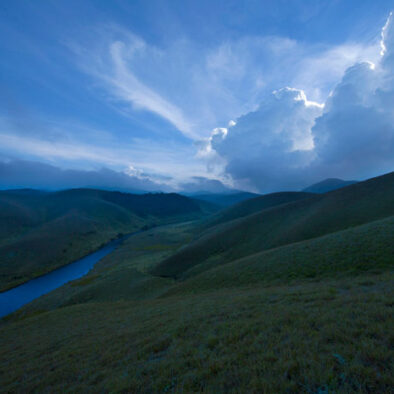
[{"x": 13, "y": 299}]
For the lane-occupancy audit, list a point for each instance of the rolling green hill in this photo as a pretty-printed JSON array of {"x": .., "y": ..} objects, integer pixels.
[
  {"x": 293, "y": 222},
  {"x": 43, "y": 231},
  {"x": 350, "y": 252}
]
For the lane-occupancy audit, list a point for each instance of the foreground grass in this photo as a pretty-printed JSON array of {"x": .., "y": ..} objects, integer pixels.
[{"x": 331, "y": 336}]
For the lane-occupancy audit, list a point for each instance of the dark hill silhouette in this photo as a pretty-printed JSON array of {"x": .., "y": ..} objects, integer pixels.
[{"x": 225, "y": 199}]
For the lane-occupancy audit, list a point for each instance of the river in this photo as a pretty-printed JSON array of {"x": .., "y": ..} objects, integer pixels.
[{"x": 13, "y": 299}]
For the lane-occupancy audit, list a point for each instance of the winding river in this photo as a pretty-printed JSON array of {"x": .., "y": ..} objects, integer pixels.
[{"x": 13, "y": 299}]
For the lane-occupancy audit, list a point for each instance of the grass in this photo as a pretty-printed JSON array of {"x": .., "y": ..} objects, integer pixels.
[
  {"x": 349, "y": 252},
  {"x": 334, "y": 337}
]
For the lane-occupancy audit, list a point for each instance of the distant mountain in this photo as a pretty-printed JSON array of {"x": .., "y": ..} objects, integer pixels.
[
  {"x": 253, "y": 205},
  {"x": 225, "y": 199},
  {"x": 40, "y": 231},
  {"x": 328, "y": 185}
]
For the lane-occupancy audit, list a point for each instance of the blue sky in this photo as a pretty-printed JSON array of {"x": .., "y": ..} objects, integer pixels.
[{"x": 148, "y": 89}]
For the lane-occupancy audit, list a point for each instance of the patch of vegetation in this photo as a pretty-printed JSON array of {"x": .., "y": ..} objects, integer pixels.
[
  {"x": 333, "y": 336},
  {"x": 86, "y": 280}
]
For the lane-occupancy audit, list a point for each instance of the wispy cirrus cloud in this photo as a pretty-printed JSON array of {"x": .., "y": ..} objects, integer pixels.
[
  {"x": 33, "y": 174},
  {"x": 126, "y": 86},
  {"x": 111, "y": 64}
]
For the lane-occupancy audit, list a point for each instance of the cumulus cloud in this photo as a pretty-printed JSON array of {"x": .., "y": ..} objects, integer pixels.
[
  {"x": 355, "y": 135},
  {"x": 30, "y": 174},
  {"x": 255, "y": 146},
  {"x": 290, "y": 141}
]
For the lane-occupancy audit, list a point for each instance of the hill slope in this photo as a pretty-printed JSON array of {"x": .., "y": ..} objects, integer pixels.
[
  {"x": 43, "y": 231},
  {"x": 349, "y": 252},
  {"x": 293, "y": 222},
  {"x": 253, "y": 205}
]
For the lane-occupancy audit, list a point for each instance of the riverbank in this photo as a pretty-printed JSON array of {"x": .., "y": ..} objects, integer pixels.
[{"x": 14, "y": 298}]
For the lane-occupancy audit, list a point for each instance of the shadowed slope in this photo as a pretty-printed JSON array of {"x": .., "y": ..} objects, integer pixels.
[{"x": 350, "y": 252}]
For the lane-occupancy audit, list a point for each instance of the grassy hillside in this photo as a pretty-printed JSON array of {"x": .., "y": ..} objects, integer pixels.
[
  {"x": 121, "y": 330},
  {"x": 310, "y": 338},
  {"x": 253, "y": 205},
  {"x": 43, "y": 231},
  {"x": 288, "y": 223},
  {"x": 351, "y": 252}
]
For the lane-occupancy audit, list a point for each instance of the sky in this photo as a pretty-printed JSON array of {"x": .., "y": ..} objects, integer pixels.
[{"x": 187, "y": 95}]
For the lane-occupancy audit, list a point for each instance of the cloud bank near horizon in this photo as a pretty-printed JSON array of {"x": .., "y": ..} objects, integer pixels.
[
  {"x": 16, "y": 174},
  {"x": 290, "y": 142}
]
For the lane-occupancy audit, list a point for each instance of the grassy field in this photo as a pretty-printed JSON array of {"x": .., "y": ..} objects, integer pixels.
[
  {"x": 313, "y": 316},
  {"x": 332, "y": 336}
]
